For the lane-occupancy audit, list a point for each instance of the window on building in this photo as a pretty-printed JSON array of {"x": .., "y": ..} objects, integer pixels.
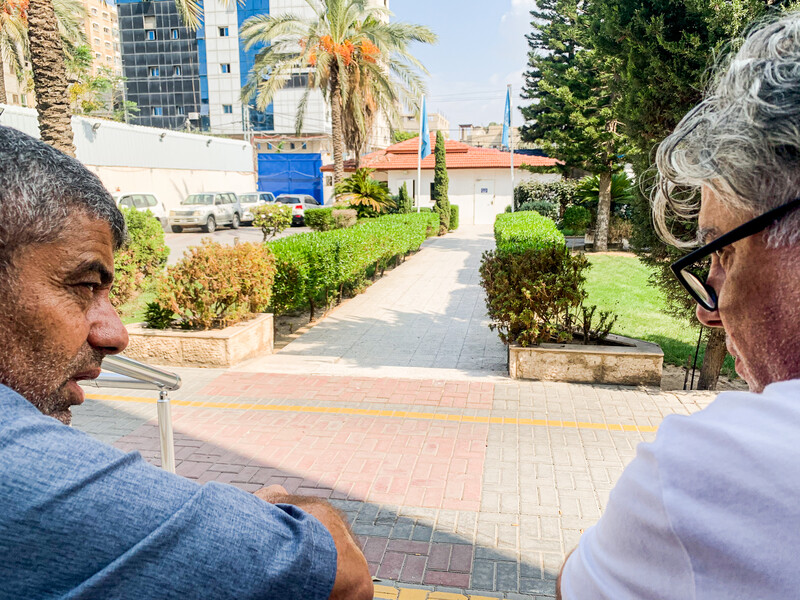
[
  {"x": 291, "y": 146},
  {"x": 108, "y": 58},
  {"x": 24, "y": 99},
  {"x": 258, "y": 146},
  {"x": 174, "y": 34},
  {"x": 180, "y": 110},
  {"x": 150, "y": 22},
  {"x": 96, "y": 26},
  {"x": 105, "y": 15},
  {"x": 97, "y": 55},
  {"x": 223, "y": 32},
  {"x": 106, "y": 30},
  {"x": 158, "y": 111},
  {"x": 225, "y": 67},
  {"x": 269, "y": 146},
  {"x": 153, "y": 71},
  {"x": 94, "y": 11},
  {"x": 108, "y": 45},
  {"x": 227, "y": 109},
  {"x": 97, "y": 41},
  {"x": 297, "y": 80},
  {"x": 151, "y": 34},
  {"x": 15, "y": 98},
  {"x": 305, "y": 146},
  {"x": 176, "y": 70}
]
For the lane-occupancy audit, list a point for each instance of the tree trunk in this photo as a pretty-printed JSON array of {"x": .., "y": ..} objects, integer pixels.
[
  {"x": 337, "y": 127},
  {"x": 49, "y": 76},
  {"x": 603, "y": 214},
  {"x": 713, "y": 359},
  {"x": 3, "y": 99}
]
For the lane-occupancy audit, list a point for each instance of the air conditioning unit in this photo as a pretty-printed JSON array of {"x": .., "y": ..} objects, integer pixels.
[{"x": 194, "y": 116}]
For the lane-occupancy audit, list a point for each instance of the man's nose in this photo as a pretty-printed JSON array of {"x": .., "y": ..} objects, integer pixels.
[{"x": 107, "y": 332}]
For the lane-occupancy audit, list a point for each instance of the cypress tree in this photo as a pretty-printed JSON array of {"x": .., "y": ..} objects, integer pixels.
[
  {"x": 404, "y": 203},
  {"x": 441, "y": 184}
]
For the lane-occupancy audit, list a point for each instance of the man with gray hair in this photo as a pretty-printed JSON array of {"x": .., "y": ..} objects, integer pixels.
[
  {"x": 80, "y": 519},
  {"x": 710, "y": 508}
]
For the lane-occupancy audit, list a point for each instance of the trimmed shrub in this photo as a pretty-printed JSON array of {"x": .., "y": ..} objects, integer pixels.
[
  {"x": 344, "y": 218},
  {"x": 453, "y": 217},
  {"x": 144, "y": 255},
  {"x": 577, "y": 219},
  {"x": 521, "y": 231},
  {"x": 543, "y": 207},
  {"x": 272, "y": 219},
  {"x": 405, "y": 204},
  {"x": 561, "y": 193},
  {"x": 215, "y": 286},
  {"x": 315, "y": 269},
  {"x": 319, "y": 219}
]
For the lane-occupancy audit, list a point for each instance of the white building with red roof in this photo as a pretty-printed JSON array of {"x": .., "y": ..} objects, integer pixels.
[{"x": 480, "y": 178}]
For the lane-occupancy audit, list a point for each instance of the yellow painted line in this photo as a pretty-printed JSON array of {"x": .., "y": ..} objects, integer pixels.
[{"x": 396, "y": 414}]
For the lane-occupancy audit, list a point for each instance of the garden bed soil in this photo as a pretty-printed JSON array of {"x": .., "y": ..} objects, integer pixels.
[{"x": 673, "y": 378}]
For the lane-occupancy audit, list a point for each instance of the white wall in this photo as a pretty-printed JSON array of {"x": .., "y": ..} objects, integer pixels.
[
  {"x": 474, "y": 207},
  {"x": 130, "y": 158}
]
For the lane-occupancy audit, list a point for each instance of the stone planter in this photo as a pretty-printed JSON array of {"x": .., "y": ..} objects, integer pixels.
[
  {"x": 623, "y": 361},
  {"x": 214, "y": 348}
]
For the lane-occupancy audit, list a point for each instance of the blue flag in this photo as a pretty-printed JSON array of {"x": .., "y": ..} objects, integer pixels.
[
  {"x": 425, "y": 145},
  {"x": 507, "y": 120}
]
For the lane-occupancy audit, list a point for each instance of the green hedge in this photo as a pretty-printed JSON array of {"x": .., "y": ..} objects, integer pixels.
[
  {"x": 319, "y": 219},
  {"x": 314, "y": 269},
  {"x": 520, "y": 231},
  {"x": 453, "y": 217}
]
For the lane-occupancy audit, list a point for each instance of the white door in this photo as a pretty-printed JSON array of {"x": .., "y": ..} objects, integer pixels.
[{"x": 483, "y": 208}]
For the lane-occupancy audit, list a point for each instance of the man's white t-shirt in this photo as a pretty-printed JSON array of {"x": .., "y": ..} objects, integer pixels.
[{"x": 710, "y": 509}]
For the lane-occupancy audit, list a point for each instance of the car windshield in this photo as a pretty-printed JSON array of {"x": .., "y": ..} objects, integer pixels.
[
  {"x": 289, "y": 199},
  {"x": 195, "y": 199},
  {"x": 248, "y": 198}
]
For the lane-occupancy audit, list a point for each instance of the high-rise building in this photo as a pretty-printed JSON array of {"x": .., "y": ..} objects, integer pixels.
[
  {"x": 102, "y": 33},
  {"x": 181, "y": 78}
]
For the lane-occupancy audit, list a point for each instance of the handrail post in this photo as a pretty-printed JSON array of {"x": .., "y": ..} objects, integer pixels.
[{"x": 165, "y": 432}]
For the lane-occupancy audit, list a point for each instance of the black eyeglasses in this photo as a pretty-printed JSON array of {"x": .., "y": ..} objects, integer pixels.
[{"x": 686, "y": 269}]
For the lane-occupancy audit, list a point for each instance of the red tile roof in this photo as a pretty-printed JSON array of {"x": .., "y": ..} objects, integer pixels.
[{"x": 403, "y": 157}]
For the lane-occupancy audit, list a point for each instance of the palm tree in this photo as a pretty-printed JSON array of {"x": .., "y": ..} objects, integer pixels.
[
  {"x": 13, "y": 41},
  {"x": 346, "y": 48},
  {"x": 368, "y": 196}
]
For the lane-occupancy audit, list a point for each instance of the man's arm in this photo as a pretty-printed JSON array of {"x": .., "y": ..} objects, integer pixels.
[{"x": 353, "y": 580}]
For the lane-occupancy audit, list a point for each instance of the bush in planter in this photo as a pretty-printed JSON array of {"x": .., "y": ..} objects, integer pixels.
[
  {"x": 543, "y": 207},
  {"x": 453, "y": 217},
  {"x": 215, "y": 286},
  {"x": 144, "y": 255},
  {"x": 576, "y": 219},
  {"x": 515, "y": 232},
  {"x": 319, "y": 219},
  {"x": 272, "y": 218}
]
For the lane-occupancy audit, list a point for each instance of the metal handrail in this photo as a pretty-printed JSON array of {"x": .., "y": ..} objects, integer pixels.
[{"x": 129, "y": 374}]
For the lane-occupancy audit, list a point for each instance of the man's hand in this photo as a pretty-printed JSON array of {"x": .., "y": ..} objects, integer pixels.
[{"x": 353, "y": 581}]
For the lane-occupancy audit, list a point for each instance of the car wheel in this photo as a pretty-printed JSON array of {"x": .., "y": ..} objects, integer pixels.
[
  {"x": 236, "y": 221},
  {"x": 177, "y": 229},
  {"x": 211, "y": 225}
]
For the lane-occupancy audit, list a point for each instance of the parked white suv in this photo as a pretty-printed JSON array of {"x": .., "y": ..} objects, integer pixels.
[
  {"x": 299, "y": 203},
  {"x": 207, "y": 210},
  {"x": 142, "y": 202},
  {"x": 250, "y": 200}
]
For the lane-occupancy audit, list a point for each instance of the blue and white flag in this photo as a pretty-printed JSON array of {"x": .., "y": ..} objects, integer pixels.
[
  {"x": 425, "y": 136},
  {"x": 507, "y": 120}
]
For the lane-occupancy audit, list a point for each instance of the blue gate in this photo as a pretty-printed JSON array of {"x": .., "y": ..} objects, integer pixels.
[{"x": 290, "y": 174}]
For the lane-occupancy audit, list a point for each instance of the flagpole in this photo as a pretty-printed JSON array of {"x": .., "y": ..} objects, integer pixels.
[
  {"x": 511, "y": 146},
  {"x": 419, "y": 155}
]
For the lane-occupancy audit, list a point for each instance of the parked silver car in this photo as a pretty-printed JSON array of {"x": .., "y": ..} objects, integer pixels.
[
  {"x": 299, "y": 204},
  {"x": 252, "y": 199},
  {"x": 207, "y": 210}
]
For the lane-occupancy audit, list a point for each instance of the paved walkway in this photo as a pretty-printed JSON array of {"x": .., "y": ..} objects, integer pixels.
[
  {"x": 459, "y": 482},
  {"x": 427, "y": 318}
]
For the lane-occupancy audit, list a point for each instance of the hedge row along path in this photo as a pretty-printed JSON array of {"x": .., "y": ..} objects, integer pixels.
[{"x": 424, "y": 319}]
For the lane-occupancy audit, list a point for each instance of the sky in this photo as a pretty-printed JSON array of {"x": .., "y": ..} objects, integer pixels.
[{"x": 481, "y": 49}]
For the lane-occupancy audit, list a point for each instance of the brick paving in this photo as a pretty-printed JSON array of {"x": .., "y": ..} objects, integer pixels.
[{"x": 458, "y": 482}]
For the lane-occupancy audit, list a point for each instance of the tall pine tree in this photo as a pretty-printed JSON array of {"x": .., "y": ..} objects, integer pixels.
[
  {"x": 662, "y": 51},
  {"x": 441, "y": 184},
  {"x": 571, "y": 116}
]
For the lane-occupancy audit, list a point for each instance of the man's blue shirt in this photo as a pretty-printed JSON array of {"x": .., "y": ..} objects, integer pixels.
[{"x": 80, "y": 519}]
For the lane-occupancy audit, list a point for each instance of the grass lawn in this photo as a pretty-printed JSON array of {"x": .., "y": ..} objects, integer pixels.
[
  {"x": 620, "y": 284},
  {"x": 133, "y": 310}
]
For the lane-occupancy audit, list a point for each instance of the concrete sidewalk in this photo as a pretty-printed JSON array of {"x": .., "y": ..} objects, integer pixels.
[
  {"x": 458, "y": 481},
  {"x": 426, "y": 319}
]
